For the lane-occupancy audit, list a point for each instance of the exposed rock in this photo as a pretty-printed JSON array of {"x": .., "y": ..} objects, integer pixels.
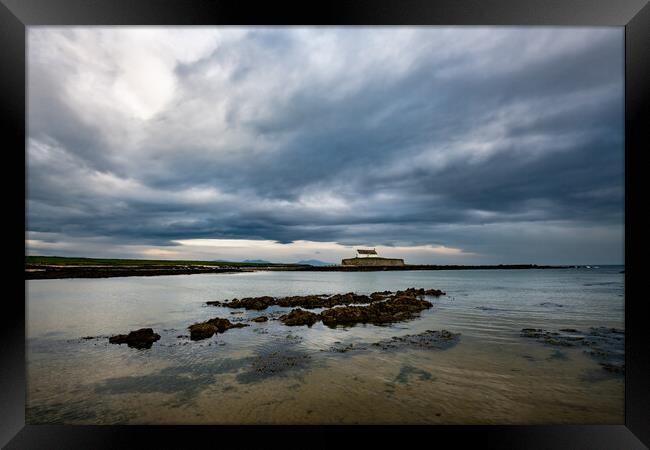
[
  {"x": 141, "y": 339},
  {"x": 299, "y": 317},
  {"x": 260, "y": 319},
  {"x": 305, "y": 301},
  {"x": 200, "y": 331},
  {"x": 395, "y": 309},
  {"x": 322, "y": 300},
  {"x": 410, "y": 292},
  {"x": 256, "y": 303},
  {"x": 207, "y": 329},
  {"x": 225, "y": 324}
]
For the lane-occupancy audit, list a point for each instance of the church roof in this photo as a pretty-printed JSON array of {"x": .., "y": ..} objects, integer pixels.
[{"x": 362, "y": 251}]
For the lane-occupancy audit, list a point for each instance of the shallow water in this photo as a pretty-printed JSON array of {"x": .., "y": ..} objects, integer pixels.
[{"x": 492, "y": 375}]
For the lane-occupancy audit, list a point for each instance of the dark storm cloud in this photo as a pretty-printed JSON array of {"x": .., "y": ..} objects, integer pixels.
[{"x": 507, "y": 143}]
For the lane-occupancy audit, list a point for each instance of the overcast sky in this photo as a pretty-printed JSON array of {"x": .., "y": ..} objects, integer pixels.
[{"x": 453, "y": 145}]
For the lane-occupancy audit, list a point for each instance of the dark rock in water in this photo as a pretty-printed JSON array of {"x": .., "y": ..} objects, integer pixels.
[
  {"x": 200, "y": 331},
  {"x": 551, "y": 337},
  {"x": 224, "y": 324},
  {"x": 556, "y": 305},
  {"x": 429, "y": 339},
  {"x": 338, "y": 347},
  {"x": 487, "y": 308},
  {"x": 406, "y": 372},
  {"x": 299, "y": 317},
  {"x": 410, "y": 292},
  {"x": 305, "y": 301},
  {"x": 273, "y": 364},
  {"x": 140, "y": 339},
  {"x": 614, "y": 368},
  {"x": 379, "y": 307},
  {"x": 434, "y": 292},
  {"x": 260, "y": 319},
  {"x": 321, "y": 300},
  {"x": 558, "y": 355},
  {"x": 395, "y": 309},
  {"x": 605, "y": 345},
  {"x": 532, "y": 332},
  {"x": 614, "y": 333},
  {"x": 207, "y": 329}
]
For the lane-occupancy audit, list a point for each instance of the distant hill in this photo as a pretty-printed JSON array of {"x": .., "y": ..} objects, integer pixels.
[
  {"x": 257, "y": 261},
  {"x": 315, "y": 262}
]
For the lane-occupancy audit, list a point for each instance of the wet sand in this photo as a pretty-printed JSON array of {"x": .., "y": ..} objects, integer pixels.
[{"x": 268, "y": 372}]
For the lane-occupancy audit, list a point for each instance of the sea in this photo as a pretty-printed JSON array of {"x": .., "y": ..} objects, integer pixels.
[{"x": 269, "y": 373}]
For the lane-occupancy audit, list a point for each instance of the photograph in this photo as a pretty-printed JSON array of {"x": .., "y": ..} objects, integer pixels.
[{"x": 325, "y": 225}]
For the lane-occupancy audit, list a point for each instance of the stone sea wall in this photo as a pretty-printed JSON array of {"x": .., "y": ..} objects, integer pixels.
[{"x": 373, "y": 262}]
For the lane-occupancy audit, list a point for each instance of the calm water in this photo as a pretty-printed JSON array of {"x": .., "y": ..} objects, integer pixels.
[{"x": 491, "y": 376}]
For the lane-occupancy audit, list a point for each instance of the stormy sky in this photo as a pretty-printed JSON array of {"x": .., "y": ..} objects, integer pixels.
[{"x": 458, "y": 145}]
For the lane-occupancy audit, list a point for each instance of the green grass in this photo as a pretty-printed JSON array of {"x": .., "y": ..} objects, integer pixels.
[{"x": 62, "y": 261}]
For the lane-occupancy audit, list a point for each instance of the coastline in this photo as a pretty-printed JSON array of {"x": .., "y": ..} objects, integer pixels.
[{"x": 47, "y": 271}]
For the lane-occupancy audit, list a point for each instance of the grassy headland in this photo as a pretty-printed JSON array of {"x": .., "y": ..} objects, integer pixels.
[
  {"x": 47, "y": 267},
  {"x": 65, "y": 261}
]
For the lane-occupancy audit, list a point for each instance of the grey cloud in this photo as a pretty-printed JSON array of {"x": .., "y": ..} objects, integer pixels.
[{"x": 431, "y": 137}]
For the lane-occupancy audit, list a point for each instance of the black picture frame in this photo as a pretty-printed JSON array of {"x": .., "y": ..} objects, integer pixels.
[{"x": 16, "y": 15}]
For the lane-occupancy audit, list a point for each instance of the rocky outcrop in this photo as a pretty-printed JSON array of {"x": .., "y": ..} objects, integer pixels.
[
  {"x": 395, "y": 309},
  {"x": 300, "y": 317},
  {"x": 350, "y": 308},
  {"x": 419, "y": 292},
  {"x": 321, "y": 300},
  {"x": 200, "y": 331},
  {"x": 304, "y": 301},
  {"x": 207, "y": 329},
  {"x": 140, "y": 339},
  {"x": 260, "y": 319}
]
